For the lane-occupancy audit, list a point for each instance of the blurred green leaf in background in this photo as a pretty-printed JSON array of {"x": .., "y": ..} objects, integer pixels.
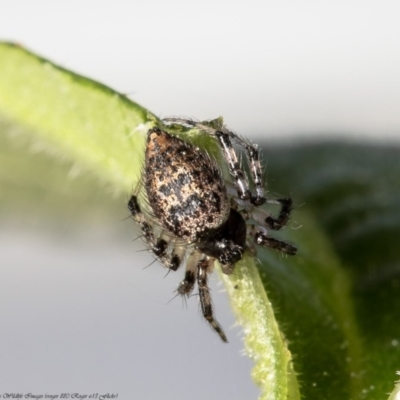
[{"x": 336, "y": 333}]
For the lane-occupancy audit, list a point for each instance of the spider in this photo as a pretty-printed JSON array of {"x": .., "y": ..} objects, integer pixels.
[{"x": 192, "y": 215}]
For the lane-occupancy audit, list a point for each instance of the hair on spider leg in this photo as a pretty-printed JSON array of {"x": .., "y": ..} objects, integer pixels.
[
  {"x": 173, "y": 298},
  {"x": 168, "y": 272},
  {"x": 192, "y": 295},
  {"x": 147, "y": 266},
  {"x": 184, "y": 301},
  {"x": 136, "y": 238},
  {"x": 142, "y": 251},
  {"x": 183, "y": 297},
  {"x": 125, "y": 218}
]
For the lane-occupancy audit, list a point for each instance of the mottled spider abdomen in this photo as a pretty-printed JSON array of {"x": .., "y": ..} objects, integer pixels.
[{"x": 185, "y": 188}]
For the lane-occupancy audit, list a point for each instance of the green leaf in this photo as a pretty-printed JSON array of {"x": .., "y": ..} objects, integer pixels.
[
  {"x": 76, "y": 118},
  {"x": 353, "y": 193},
  {"x": 321, "y": 325}
]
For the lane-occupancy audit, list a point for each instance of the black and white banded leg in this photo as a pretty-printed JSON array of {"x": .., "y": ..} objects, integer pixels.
[
  {"x": 224, "y": 137},
  {"x": 261, "y": 238},
  {"x": 277, "y": 223},
  {"x": 203, "y": 268},
  {"x": 186, "y": 286},
  {"x": 265, "y": 218},
  {"x": 158, "y": 246}
]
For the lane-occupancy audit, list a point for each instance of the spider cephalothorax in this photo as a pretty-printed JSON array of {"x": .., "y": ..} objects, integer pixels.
[{"x": 194, "y": 215}]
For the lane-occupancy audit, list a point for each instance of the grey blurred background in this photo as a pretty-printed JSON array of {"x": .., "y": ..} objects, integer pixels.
[{"x": 78, "y": 311}]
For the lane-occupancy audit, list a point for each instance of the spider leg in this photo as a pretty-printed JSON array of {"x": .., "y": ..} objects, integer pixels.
[
  {"x": 282, "y": 219},
  {"x": 203, "y": 267},
  {"x": 242, "y": 186},
  {"x": 261, "y": 238},
  {"x": 265, "y": 218},
  {"x": 158, "y": 246},
  {"x": 253, "y": 157},
  {"x": 186, "y": 286}
]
